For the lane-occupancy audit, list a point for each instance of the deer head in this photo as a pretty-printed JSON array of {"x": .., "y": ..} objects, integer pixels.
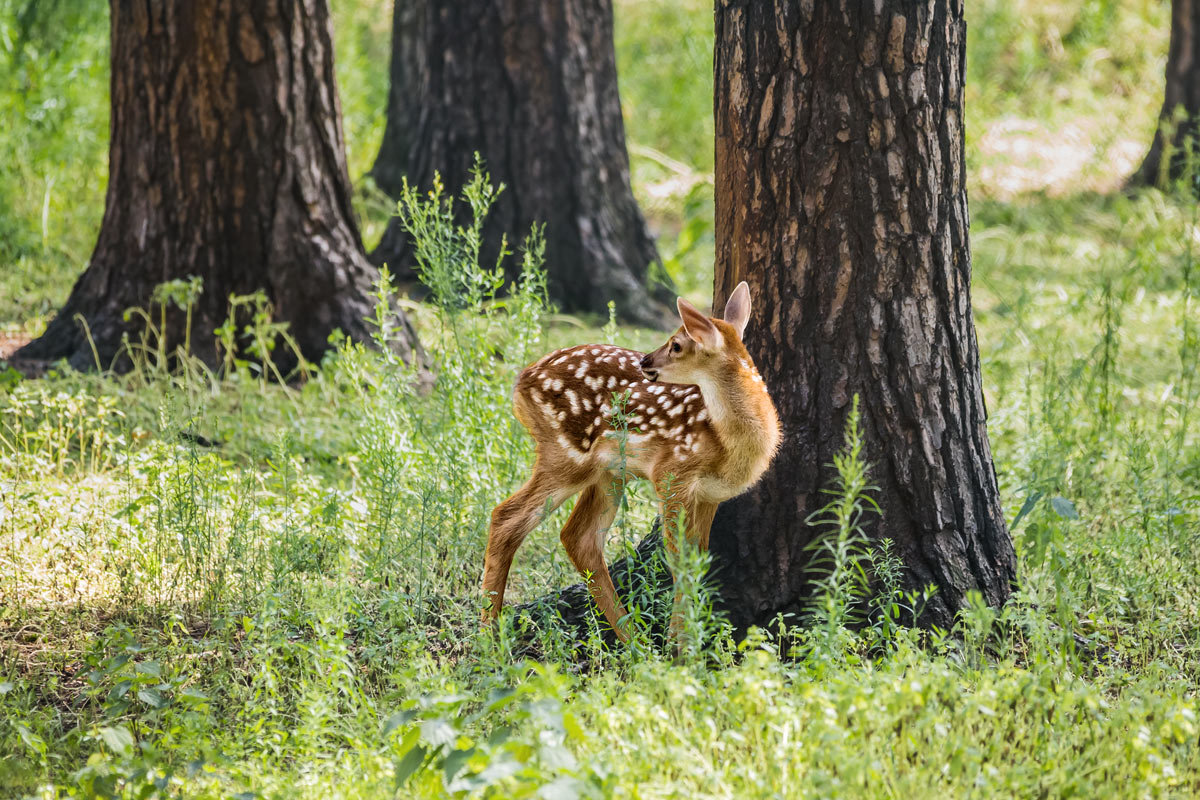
[{"x": 702, "y": 344}]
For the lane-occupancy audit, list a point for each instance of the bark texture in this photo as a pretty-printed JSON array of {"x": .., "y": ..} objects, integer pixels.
[
  {"x": 840, "y": 198},
  {"x": 1181, "y": 97},
  {"x": 531, "y": 85},
  {"x": 226, "y": 162}
]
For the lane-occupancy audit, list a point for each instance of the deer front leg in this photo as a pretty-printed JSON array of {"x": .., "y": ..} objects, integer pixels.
[{"x": 696, "y": 517}]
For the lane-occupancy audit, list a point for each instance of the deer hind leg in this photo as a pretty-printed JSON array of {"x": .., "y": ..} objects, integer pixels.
[
  {"x": 583, "y": 538},
  {"x": 512, "y": 521}
]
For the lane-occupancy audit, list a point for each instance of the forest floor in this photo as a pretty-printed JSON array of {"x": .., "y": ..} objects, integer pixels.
[{"x": 216, "y": 586}]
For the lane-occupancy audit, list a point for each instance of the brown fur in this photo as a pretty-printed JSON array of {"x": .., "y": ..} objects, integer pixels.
[{"x": 700, "y": 425}]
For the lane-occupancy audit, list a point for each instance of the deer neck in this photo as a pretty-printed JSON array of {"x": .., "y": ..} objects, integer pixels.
[{"x": 739, "y": 407}]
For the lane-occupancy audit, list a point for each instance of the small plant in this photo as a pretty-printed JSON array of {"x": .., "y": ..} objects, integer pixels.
[
  {"x": 841, "y": 551},
  {"x": 695, "y": 624},
  {"x": 153, "y": 352},
  {"x": 258, "y": 338}
]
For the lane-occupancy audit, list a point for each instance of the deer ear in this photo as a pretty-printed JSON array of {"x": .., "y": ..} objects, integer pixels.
[
  {"x": 737, "y": 308},
  {"x": 698, "y": 327}
]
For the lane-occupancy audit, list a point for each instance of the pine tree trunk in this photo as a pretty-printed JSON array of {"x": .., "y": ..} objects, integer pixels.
[
  {"x": 840, "y": 198},
  {"x": 1181, "y": 96},
  {"x": 226, "y": 162},
  {"x": 531, "y": 86}
]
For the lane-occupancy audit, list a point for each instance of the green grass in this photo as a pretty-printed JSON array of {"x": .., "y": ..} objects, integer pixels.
[{"x": 211, "y": 585}]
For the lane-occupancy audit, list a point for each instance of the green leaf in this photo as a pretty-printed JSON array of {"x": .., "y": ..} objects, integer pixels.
[
  {"x": 437, "y": 732},
  {"x": 453, "y": 763},
  {"x": 1064, "y": 507},
  {"x": 152, "y": 698},
  {"x": 118, "y": 739},
  {"x": 1026, "y": 507},
  {"x": 398, "y": 719},
  {"x": 572, "y": 727},
  {"x": 500, "y": 735},
  {"x": 193, "y": 695},
  {"x": 411, "y": 762},
  {"x": 34, "y": 742},
  {"x": 149, "y": 668},
  {"x": 498, "y": 698}
]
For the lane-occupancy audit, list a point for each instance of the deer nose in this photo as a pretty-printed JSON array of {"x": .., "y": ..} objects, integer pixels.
[{"x": 645, "y": 362}]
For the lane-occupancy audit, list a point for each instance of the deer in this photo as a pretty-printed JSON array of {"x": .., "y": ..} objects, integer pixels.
[{"x": 696, "y": 421}]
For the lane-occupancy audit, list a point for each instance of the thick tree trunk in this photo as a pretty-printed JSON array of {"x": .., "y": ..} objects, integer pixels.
[
  {"x": 227, "y": 163},
  {"x": 530, "y": 85},
  {"x": 1180, "y": 114},
  {"x": 840, "y": 198}
]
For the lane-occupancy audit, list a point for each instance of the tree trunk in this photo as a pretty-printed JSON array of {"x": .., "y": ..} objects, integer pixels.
[
  {"x": 840, "y": 198},
  {"x": 530, "y": 85},
  {"x": 226, "y": 162},
  {"x": 1180, "y": 115}
]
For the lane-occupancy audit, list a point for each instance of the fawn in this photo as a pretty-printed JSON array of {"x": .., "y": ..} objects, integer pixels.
[{"x": 701, "y": 427}]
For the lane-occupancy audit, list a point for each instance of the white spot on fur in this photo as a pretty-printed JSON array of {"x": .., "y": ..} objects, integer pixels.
[
  {"x": 702, "y": 415},
  {"x": 573, "y": 399}
]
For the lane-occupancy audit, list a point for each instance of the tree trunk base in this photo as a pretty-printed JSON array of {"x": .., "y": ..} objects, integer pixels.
[{"x": 642, "y": 580}]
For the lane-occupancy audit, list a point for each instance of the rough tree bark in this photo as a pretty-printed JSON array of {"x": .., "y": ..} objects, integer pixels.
[
  {"x": 531, "y": 85},
  {"x": 1181, "y": 96},
  {"x": 226, "y": 162},
  {"x": 840, "y": 199}
]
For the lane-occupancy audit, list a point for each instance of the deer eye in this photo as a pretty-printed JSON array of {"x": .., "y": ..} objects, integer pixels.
[{"x": 675, "y": 348}]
